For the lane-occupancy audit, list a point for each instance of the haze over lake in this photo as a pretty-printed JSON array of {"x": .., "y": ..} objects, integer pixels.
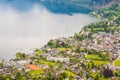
[{"x": 22, "y": 30}]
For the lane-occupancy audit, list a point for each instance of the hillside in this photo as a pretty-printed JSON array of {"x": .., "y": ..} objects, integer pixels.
[
  {"x": 75, "y": 6},
  {"x": 85, "y": 3},
  {"x": 91, "y": 54},
  {"x": 70, "y": 6}
]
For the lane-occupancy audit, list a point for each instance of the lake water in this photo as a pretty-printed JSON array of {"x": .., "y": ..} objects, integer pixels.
[{"x": 24, "y": 27}]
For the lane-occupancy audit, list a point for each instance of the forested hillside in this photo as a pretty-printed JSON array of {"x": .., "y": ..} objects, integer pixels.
[{"x": 85, "y": 3}]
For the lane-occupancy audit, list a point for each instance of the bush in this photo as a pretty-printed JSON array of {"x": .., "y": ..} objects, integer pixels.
[{"x": 107, "y": 73}]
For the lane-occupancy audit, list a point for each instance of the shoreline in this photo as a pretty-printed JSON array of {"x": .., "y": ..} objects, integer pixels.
[{"x": 65, "y": 33}]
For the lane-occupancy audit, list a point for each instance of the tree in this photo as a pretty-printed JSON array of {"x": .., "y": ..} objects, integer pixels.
[
  {"x": 2, "y": 78},
  {"x": 52, "y": 43},
  {"x": 107, "y": 73},
  {"x": 8, "y": 77},
  {"x": 24, "y": 78},
  {"x": 89, "y": 66},
  {"x": 23, "y": 56},
  {"x": 2, "y": 63},
  {"x": 90, "y": 36},
  {"x": 65, "y": 75},
  {"x": 117, "y": 73},
  {"x": 20, "y": 55},
  {"x": 18, "y": 76},
  {"x": 78, "y": 49},
  {"x": 60, "y": 78},
  {"x": 92, "y": 65},
  {"x": 98, "y": 41},
  {"x": 97, "y": 77}
]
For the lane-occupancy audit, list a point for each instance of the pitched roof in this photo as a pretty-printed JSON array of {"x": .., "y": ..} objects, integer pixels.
[{"x": 33, "y": 67}]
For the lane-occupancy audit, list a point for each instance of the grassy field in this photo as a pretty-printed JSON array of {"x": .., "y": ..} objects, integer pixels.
[
  {"x": 49, "y": 63},
  {"x": 96, "y": 59},
  {"x": 117, "y": 63},
  {"x": 63, "y": 49},
  {"x": 38, "y": 52},
  {"x": 36, "y": 72},
  {"x": 102, "y": 29},
  {"x": 95, "y": 29},
  {"x": 97, "y": 62},
  {"x": 70, "y": 74},
  {"x": 93, "y": 57}
]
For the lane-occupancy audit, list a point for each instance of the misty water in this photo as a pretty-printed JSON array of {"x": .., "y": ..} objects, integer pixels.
[{"x": 25, "y": 27}]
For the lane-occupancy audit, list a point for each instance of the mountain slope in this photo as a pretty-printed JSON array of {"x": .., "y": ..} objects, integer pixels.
[{"x": 85, "y": 3}]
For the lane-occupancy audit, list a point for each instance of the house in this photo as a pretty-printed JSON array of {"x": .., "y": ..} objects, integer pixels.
[
  {"x": 46, "y": 47},
  {"x": 67, "y": 79},
  {"x": 5, "y": 71},
  {"x": 58, "y": 59},
  {"x": 23, "y": 62},
  {"x": 27, "y": 69},
  {"x": 33, "y": 67},
  {"x": 53, "y": 51},
  {"x": 77, "y": 78},
  {"x": 90, "y": 78},
  {"x": 44, "y": 66}
]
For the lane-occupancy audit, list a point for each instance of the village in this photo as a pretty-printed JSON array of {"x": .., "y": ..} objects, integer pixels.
[
  {"x": 91, "y": 54},
  {"x": 69, "y": 56}
]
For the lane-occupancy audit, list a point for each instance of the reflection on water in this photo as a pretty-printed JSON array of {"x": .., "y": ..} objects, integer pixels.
[
  {"x": 55, "y": 7},
  {"x": 21, "y": 31}
]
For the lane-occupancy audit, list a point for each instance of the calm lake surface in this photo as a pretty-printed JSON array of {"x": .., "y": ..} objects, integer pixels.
[{"x": 28, "y": 25}]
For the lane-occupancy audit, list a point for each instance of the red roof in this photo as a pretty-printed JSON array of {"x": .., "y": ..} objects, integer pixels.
[{"x": 33, "y": 67}]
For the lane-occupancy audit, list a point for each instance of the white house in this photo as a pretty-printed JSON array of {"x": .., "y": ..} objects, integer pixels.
[{"x": 58, "y": 59}]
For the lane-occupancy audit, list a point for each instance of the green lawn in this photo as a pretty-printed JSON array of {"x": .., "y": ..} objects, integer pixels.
[
  {"x": 93, "y": 57},
  {"x": 102, "y": 29},
  {"x": 93, "y": 75},
  {"x": 63, "y": 49},
  {"x": 70, "y": 74},
  {"x": 97, "y": 62},
  {"x": 115, "y": 27},
  {"x": 117, "y": 63},
  {"x": 36, "y": 72},
  {"x": 39, "y": 52},
  {"x": 104, "y": 79},
  {"x": 49, "y": 63},
  {"x": 96, "y": 29}
]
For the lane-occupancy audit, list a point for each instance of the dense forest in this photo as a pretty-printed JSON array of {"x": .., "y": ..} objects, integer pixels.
[{"x": 85, "y": 3}]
